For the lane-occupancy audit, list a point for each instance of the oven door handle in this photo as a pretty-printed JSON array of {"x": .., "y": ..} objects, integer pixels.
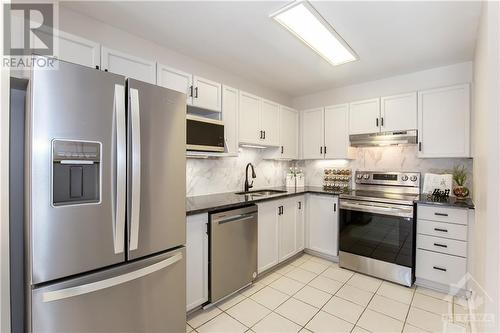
[{"x": 376, "y": 209}]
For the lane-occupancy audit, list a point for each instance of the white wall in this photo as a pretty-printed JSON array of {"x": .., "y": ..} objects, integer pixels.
[
  {"x": 87, "y": 27},
  {"x": 486, "y": 139},
  {"x": 436, "y": 77}
]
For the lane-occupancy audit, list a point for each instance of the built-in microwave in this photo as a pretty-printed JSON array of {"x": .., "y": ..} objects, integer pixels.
[{"x": 204, "y": 134}]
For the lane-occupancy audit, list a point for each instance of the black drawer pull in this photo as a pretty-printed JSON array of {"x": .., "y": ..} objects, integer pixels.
[
  {"x": 440, "y": 214},
  {"x": 439, "y": 229},
  {"x": 440, "y": 245},
  {"x": 439, "y": 268}
]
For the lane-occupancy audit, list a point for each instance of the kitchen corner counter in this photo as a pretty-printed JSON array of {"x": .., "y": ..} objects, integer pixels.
[
  {"x": 218, "y": 201},
  {"x": 448, "y": 202}
]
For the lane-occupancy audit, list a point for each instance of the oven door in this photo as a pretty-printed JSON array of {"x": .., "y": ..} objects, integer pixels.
[{"x": 379, "y": 231}]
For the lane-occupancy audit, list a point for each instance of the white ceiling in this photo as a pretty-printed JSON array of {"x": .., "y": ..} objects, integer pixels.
[{"x": 390, "y": 38}]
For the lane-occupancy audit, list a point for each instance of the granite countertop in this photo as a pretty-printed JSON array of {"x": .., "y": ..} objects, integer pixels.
[
  {"x": 450, "y": 202},
  {"x": 218, "y": 201}
]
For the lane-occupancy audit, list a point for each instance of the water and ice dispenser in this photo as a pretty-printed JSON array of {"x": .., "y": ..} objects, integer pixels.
[{"x": 75, "y": 172}]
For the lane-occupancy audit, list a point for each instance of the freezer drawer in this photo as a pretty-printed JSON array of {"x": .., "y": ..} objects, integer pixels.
[{"x": 144, "y": 296}]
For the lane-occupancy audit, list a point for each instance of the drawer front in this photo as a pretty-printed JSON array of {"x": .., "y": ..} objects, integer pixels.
[
  {"x": 442, "y": 214},
  {"x": 441, "y": 268},
  {"x": 439, "y": 229},
  {"x": 442, "y": 245}
]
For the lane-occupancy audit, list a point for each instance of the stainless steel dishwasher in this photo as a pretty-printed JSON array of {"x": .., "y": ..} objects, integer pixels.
[{"x": 233, "y": 251}]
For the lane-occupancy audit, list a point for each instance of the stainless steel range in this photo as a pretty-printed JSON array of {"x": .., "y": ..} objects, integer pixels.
[{"x": 376, "y": 225}]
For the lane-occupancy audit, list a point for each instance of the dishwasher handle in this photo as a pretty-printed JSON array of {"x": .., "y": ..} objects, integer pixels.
[{"x": 236, "y": 218}]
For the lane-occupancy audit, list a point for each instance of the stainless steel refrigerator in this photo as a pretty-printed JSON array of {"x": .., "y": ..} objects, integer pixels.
[{"x": 105, "y": 203}]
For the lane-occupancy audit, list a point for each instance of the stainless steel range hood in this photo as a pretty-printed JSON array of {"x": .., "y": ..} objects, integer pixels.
[{"x": 384, "y": 139}]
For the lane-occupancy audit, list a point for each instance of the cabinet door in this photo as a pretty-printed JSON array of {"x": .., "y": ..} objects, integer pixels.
[
  {"x": 289, "y": 132},
  {"x": 398, "y": 112},
  {"x": 130, "y": 66},
  {"x": 267, "y": 241},
  {"x": 175, "y": 79},
  {"x": 230, "y": 117},
  {"x": 249, "y": 119},
  {"x": 299, "y": 223},
  {"x": 312, "y": 133},
  {"x": 196, "y": 260},
  {"x": 444, "y": 122},
  {"x": 286, "y": 222},
  {"x": 336, "y": 133},
  {"x": 364, "y": 116},
  {"x": 207, "y": 94},
  {"x": 269, "y": 122},
  {"x": 322, "y": 224}
]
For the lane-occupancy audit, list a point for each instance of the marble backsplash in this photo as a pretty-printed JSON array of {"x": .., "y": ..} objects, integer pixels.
[
  {"x": 218, "y": 175},
  {"x": 393, "y": 158}
]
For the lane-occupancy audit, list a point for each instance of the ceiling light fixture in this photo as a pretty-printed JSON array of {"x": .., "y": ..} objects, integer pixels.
[{"x": 302, "y": 20}]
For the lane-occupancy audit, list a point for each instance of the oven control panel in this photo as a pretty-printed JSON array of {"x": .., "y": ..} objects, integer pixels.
[{"x": 388, "y": 178}]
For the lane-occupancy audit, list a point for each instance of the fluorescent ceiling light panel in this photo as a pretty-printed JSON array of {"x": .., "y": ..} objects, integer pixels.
[{"x": 301, "y": 19}]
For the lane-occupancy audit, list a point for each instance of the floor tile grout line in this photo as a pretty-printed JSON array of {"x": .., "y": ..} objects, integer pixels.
[{"x": 366, "y": 307}]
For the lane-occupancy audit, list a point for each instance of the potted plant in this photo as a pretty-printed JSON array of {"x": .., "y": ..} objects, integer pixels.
[{"x": 460, "y": 178}]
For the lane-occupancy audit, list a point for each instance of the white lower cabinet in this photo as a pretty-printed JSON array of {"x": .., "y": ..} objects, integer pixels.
[
  {"x": 196, "y": 260},
  {"x": 280, "y": 231},
  {"x": 441, "y": 247},
  {"x": 322, "y": 224}
]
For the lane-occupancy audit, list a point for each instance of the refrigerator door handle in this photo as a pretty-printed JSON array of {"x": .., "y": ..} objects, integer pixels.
[
  {"x": 121, "y": 167},
  {"x": 83, "y": 289},
  {"x": 136, "y": 169}
]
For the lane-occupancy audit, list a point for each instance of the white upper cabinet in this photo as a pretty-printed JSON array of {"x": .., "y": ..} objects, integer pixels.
[
  {"x": 444, "y": 122},
  {"x": 312, "y": 133},
  {"x": 269, "y": 122},
  {"x": 249, "y": 120},
  {"x": 230, "y": 106},
  {"x": 288, "y": 130},
  {"x": 258, "y": 121},
  {"x": 364, "y": 116},
  {"x": 74, "y": 49},
  {"x": 207, "y": 94},
  {"x": 175, "y": 79},
  {"x": 127, "y": 65},
  {"x": 336, "y": 131},
  {"x": 398, "y": 112}
]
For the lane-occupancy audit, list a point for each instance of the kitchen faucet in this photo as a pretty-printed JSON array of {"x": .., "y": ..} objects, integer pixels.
[{"x": 249, "y": 186}]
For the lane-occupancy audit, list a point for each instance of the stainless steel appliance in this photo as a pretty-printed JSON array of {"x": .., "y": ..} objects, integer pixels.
[
  {"x": 376, "y": 225},
  {"x": 233, "y": 251},
  {"x": 384, "y": 139},
  {"x": 105, "y": 203},
  {"x": 204, "y": 134}
]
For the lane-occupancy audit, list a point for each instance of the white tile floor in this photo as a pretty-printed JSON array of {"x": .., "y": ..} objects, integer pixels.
[{"x": 311, "y": 294}]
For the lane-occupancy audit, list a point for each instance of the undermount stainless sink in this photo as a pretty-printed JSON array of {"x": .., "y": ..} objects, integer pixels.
[{"x": 261, "y": 193}]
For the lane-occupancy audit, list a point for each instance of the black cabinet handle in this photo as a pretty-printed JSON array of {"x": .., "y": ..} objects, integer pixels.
[
  {"x": 376, "y": 121},
  {"x": 440, "y": 245},
  {"x": 106, "y": 70},
  {"x": 420, "y": 146},
  {"x": 382, "y": 121},
  {"x": 300, "y": 204},
  {"x": 439, "y": 229},
  {"x": 325, "y": 150},
  {"x": 264, "y": 135},
  {"x": 441, "y": 214},
  {"x": 261, "y": 134},
  {"x": 282, "y": 149},
  {"x": 96, "y": 66},
  {"x": 439, "y": 268},
  {"x": 191, "y": 91},
  {"x": 334, "y": 206},
  {"x": 196, "y": 92},
  {"x": 321, "y": 150}
]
